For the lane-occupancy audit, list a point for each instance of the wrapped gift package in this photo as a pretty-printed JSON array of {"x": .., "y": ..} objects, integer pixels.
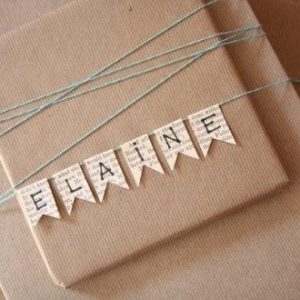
[
  {"x": 131, "y": 221},
  {"x": 97, "y": 236}
]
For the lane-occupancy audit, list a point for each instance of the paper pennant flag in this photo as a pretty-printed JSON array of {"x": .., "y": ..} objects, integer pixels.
[
  {"x": 104, "y": 168},
  {"x": 139, "y": 153},
  {"x": 174, "y": 139},
  {"x": 209, "y": 124},
  {"x": 37, "y": 200},
  {"x": 71, "y": 184}
]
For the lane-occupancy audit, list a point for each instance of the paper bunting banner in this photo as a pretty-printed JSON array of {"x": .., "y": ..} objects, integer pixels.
[
  {"x": 139, "y": 153},
  {"x": 104, "y": 168},
  {"x": 37, "y": 200},
  {"x": 209, "y": 124},
  {"x": 71, "y": 184},
  {"x": 174, "y": 139}
]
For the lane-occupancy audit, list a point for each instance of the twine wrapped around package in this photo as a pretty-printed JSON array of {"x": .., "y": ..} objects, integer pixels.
[{"x": 95, "y": 33}]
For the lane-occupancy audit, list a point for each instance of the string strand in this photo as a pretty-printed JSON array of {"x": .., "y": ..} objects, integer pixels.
[
  {"x": 9, "y": 193},
  {"x": 241, "y": 95},
  {"x": 134, "y": 75},
  {"x": 120, "y": 69},
  {"x": 68, "y": 90},
  {"x": 75, "y": 85},
  {"x": 52, "y": 102},
  {"x": 113, "y": 71},
  {"x": 122, "y": 57}
]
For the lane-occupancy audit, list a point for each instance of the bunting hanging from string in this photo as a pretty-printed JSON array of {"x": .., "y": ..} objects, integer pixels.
[
  {"x": 173, "y": 139},
  {"x": 67, "y": 93}
]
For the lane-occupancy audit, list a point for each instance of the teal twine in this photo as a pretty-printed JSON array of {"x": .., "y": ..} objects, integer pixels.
[
  {"x": 126, "y": 67},
  {"x": 9, "y": 193},
  {"x": 246, "y": 93},
  {"x": 134, "y": 75},
  {"x": 209, "y": 37},
  {"x": 52, "y": 102},
  {"x": 73, "y": 86},
  {"x": 216, "y": 46},
  {"x": 295, "y": 80},
  {"x": 102, "y": 70}
]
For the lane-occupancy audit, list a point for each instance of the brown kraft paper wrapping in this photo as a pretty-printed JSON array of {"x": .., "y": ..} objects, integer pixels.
[{"x": 68, "y": 45}]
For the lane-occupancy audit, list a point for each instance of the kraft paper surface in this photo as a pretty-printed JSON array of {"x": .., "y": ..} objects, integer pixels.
[
  {"x": 260, "y": 228},
  {"x": 131, "y": 221},
  {"x": 18, "y": 12}
]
